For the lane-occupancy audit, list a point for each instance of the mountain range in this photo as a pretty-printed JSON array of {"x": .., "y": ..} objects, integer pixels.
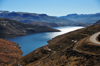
[
  {"x": 30, "y": 17},
  {"x": 44, "y": 24},
  {"x": 70, "y": 19},
  {"x": 85, "y": 18}
]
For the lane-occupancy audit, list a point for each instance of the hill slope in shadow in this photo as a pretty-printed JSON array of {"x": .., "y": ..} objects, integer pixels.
[{"x": 12, "y": 27}]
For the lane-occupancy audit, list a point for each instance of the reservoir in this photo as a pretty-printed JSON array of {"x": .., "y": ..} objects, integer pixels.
[{"x": 31, "y": 42}]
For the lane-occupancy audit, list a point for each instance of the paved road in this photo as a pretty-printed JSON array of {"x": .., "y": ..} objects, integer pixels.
[{"x": 93, "y": 38}]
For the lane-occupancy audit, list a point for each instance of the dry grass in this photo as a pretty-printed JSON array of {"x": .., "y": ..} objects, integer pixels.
[
  {"x": 87, "y": 47},
  {"x": 9, "y": 52},
  {"x": 71, "y": 49}
]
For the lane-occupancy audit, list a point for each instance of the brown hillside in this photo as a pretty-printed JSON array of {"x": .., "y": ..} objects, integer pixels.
[
  {"x": 70, "y": 49},
  {"x": 9, "y": 52}
]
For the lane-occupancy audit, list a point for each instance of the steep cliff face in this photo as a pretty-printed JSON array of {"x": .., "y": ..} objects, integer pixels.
[
  {"x": 70, "y": 49},
  {"x": 9, "y": 52}
]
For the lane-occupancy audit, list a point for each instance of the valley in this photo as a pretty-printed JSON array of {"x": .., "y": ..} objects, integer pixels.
[
  {"x": 69, "y": 49},
  {"x": 46, "y": 41},
  {"x": 49, "y": 32},
  {"x": 34, "y": 41}
]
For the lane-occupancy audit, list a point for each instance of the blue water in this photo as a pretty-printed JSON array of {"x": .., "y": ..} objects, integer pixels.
[{"x": 31, "y": 42}]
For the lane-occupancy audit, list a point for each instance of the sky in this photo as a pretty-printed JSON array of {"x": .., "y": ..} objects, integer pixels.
[{"x": 52, "y": 7}]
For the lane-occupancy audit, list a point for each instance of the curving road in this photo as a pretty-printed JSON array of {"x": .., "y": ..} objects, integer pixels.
[{"x": 93, "y": 38}]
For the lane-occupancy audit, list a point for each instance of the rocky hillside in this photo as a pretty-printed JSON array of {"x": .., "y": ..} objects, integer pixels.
[
  {"x": 9, "y": 52},
  {"x": 44, "y": 24},
  {"x": 30, "y": 17},
  {"x": 97, "y": 23},
  {"x": 70, "y": 49},
  {"x": 11, "y": 27}
]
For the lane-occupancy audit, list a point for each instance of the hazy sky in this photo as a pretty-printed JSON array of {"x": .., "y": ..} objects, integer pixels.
[{"x": 52, "y": 7}]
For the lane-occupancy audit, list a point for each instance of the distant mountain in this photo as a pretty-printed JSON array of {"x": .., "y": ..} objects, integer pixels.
[
  {"x": 12, "y": 27},
  {"x": 30, "y": 17},
  {"x": 44, "y": 24},
  {"x": 85, "y": 18},
  {"x": 97, "y": 23}
]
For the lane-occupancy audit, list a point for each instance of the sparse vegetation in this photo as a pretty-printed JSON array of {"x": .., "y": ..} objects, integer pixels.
[
  {"x": 9, "y": 52},
  {"x": 70, "y": 49}
]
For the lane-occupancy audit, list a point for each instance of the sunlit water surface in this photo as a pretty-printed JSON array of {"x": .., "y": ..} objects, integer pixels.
[{"x": 31, "y": 42}]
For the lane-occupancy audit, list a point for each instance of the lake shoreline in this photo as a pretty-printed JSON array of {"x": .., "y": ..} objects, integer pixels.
[{"x": 34, "y": 41}]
